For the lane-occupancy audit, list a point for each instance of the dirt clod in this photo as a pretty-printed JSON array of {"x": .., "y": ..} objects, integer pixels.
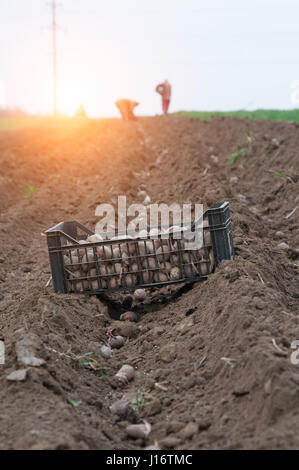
[
  {"x": 188, "y": 431},
  {"x": 17, "y": 375},
  {"x": 26, "y": 349},
  {"x": 170, "y": 442}
]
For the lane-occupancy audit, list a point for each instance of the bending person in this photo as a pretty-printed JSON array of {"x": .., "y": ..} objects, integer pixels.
[{"x": 126, "y": 109}]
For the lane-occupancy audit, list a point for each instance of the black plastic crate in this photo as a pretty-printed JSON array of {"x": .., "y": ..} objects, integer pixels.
[{"x": 127, "y": 264}]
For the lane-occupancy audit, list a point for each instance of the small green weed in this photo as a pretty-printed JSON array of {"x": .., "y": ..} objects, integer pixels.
[
  {"x": 244, "y": 152},
  {"x": 139, "y": 402},
  {"x": 29, "y": 191},
  {"x": 88, "y": 362},
  {"x": 277, "y": 173},
  {"x": 75, "y": 404}
]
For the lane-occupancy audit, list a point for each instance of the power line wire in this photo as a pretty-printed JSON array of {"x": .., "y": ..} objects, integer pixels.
[
  {"x": 54, "y": 28},
  {"x": 53, "y": 6}
]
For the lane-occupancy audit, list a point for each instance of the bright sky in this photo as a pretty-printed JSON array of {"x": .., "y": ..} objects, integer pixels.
[{"x": 218, "y": 55}]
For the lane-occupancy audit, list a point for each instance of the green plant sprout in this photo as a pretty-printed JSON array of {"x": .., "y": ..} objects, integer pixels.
[
  {"x": 277, "y": 173},
  {"x": 139, "y": 402},
  {"x": 75, "y": 404},
  {"x": 29, "y": 191},
  {"x": 244, "y": 152},
  {"x": 91, "y": 363}
]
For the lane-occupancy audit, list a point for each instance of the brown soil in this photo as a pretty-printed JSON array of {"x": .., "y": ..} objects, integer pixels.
[{"x": 225, "y": 384}]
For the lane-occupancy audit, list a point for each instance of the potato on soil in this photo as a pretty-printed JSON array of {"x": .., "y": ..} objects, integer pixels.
[
  {"x": 129, "y": 316},
  {"x": 106, "y": 352},
  {"x": 139, "y": 431},
  {"x": 120, "y": 407},
  {"x": 126, "y": 373},
  {"x": 116, "y": 342},
  {"x": 140, "y": 295}
]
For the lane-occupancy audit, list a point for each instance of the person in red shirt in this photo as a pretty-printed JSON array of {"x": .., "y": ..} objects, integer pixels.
[{"x": 164, "y": 89}]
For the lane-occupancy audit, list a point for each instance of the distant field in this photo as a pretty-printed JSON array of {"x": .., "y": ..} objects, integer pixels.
[
  {"x": 7, "y": 124},
  {"x": 10, "y": 124},
  {"x": 268, "y": 114}
]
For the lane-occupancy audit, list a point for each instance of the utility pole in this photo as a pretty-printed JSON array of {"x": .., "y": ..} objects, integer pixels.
[
  {"x": 54, "y": 29},
  {"x": 53, "y": 5}
]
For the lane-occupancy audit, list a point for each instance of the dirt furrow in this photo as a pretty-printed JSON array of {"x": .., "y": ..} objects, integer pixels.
[{"x": 218, "y": 377}]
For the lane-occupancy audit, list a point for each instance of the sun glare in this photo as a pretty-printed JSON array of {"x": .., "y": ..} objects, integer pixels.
[
  {"x": 70, "y": 97},
  {"x": 2, "y": 94}
]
